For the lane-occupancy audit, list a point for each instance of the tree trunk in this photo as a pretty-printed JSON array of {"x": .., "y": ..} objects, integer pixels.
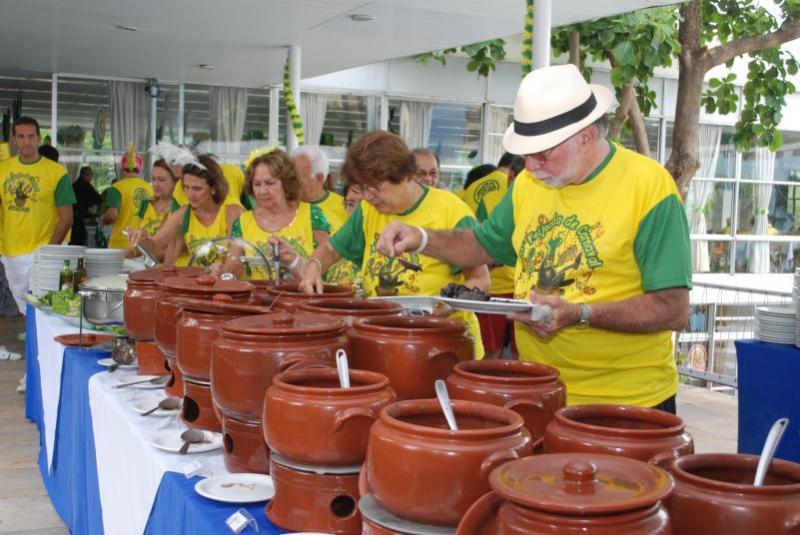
[
  {"x": 575, "y": 48},
  {"x": 626, "y": 99},
  {"x": 684, "y": 161},
  {"x": 636, "y": 120}
]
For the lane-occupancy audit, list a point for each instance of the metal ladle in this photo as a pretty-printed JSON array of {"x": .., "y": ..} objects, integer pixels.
[
  {"x": 447, "y": 406},
  {"x": 191, "y": 436},
  {"x": 770, "y": 445},
  {"x": 343, "y": 368}
]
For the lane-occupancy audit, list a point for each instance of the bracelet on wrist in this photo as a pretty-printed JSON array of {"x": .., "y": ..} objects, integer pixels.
[{"x": 424, "y": 243}]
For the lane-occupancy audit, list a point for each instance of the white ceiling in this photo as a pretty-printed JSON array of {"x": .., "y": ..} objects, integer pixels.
[{"x": 246, "y": 40}]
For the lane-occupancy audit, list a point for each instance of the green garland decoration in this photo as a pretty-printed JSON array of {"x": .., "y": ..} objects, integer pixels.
[
  {"x": 291, "y": 106},
  {"x": 527, "y": 39}
]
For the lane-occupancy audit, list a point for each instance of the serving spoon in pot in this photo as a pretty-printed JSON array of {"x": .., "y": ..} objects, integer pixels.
[
  {"x": 343, "y": 368},
  {"x": 770, "y": 445},
  {"x": 447, "y": 407}
]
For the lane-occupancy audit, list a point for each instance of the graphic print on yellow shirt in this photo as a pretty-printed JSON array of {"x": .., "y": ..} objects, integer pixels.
[
  {"x": 619, "y": 234},
  {"x": 127, "y": 196},
  {"x": 502, "y": 277},
  {"x": 357, "y": 241},
  {"x": 299, "y": 234},
  {"x": 195, "y": 234},
  {"x": 31, "y": 195},
  {"x": 496, "y": 181},
  {"x": 150, "y": 220}
]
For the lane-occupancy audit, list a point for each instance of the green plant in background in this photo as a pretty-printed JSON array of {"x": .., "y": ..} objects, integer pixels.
[
  {"x": 291, "y": 106},
  {"x": 483, "y": 56},
  {"x": 527, "y": 39},
  {"x": 71, "y": 136}
]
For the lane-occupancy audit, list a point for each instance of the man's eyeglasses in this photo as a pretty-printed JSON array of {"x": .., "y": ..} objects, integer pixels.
[{"x": 542, "y": 156}]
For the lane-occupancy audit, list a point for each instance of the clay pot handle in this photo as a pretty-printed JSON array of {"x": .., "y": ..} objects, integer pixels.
[
  {"x": 342, "y": 417},
  {"x": 514, "y": 403},
  {"x": 299, "y": 362},
  {"x": 664, "y": 459},
  {"x": 481, "y": 517},
  {"x": 496, "y": 459}
]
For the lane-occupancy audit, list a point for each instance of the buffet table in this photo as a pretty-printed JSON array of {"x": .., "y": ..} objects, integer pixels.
[
  {"x": 123, "y": 485},
  {"x": 768, "y": 390}
]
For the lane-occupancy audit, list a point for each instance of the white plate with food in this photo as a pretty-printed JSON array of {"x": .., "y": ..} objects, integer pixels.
[
  {"x": 495, "y": 305},
  {"x": 143, "y": 405},
  {"x": 171, "y": 441},
  {"x": 236, "y": 488},
  {"x": 109, "y": 361}
]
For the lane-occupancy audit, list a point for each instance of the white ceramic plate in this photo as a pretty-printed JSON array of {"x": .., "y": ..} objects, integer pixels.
[
  {"x": 496, "y": 305},
  {"x": 170, "y": 440},
  {"x": 236, "y": 488},
  {"x": 143, "y": 386},
  {"x": 109, "y": 361},
  {"x": 144, "y": 405}
]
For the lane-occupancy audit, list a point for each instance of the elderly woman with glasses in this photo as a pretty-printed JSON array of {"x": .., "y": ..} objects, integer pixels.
[{"x": 384, "y": 168}]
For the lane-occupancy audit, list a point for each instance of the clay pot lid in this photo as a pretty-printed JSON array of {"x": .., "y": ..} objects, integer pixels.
[
  {"x": 157, "y": 274},
  {"x": 285, "y": 324},
  {"x": 581, "y": 484},
  {"x": 205, "y": 285},
  {"x": 292, "y": 289},
  {"x": 219, "y": 304},
  {"x": 351, "y": 306}
]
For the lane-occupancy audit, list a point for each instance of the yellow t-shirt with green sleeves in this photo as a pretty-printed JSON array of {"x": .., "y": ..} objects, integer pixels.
[
  {"x": 299, "y": 233},
  {"x": 496, "y": 181},
  {"x": 127, "y": 196},
  {"x": 233, "y": 175},
  {"x": 195, "y": 234},
  {"x": 619, "y": 234},
  {"x": 332, "y": 205},
  {"x": 31, "y": 195},
  {"x": 436, "y": 209},
  {"x": 149, "y": 219},
  {"x": 502, "y": 276}
]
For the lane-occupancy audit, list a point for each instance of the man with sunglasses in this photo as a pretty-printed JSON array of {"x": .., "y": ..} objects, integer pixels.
[{"x": 598, "y": 237}]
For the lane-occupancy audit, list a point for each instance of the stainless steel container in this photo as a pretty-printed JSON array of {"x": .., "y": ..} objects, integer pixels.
[{"x": 102, "y": 299}]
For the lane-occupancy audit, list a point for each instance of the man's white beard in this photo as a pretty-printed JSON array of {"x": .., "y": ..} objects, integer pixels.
[{"x": 554, "y": 182}]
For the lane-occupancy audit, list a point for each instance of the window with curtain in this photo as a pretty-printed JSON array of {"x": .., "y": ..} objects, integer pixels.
[
  {"x": 653, "y": 128},
  {"x": 497, "y": 123},
  {"x": 168, "y": 113}
]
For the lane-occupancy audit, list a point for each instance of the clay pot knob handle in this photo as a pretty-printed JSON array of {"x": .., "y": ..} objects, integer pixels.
[
  {"x": 222, "y": 298},
  {"x": 205, "y": 280},
  {"x": 580, "y": 472},
  {"x": 283, "y": 321}
]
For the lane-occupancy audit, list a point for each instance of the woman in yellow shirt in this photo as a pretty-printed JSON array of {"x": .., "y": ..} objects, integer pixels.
[
  {"x": 154, "y": 211},
  {"x": 384, "y": 168},
  {"x": 202, "y": 220},
  {"x": 280, "y": 217}
]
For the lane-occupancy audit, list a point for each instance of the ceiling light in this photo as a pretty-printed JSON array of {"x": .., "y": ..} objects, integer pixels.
[
  {"x": 206, "y": 66},
  {"x": 127, "y": 28},
  {"x": 361, "y": 18}
]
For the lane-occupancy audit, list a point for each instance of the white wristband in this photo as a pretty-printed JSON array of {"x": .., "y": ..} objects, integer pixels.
[
  {"x": 294, "y": 263},
  {"x": 424, "y": 243}
]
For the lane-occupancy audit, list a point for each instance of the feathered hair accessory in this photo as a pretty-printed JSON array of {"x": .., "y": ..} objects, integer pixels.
[
  {"x": 255, "y": 153},
  {"x": 175, "y": 155}
]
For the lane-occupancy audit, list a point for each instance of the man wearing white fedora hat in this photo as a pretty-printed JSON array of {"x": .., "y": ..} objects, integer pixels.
[{"x": 599, "y": 239}]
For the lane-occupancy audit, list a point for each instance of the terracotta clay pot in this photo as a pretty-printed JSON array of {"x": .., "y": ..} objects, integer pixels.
[
  {"x": 291, "y": 297},
  {"x": 174, "y": 386},
  {"x": 197, "y": 410},
  {"x": 714, "y": 493},
  {"x": 310, "y": 419},
  {"x": 649, "y": 435},
  {"x": 309, "y": 501},
  {"x": 199, "y": 325},
  {"x": 350, "y": 309},
  {"x": 532, "y": 390},
  {"x": 243, "y": 446},
  {"x": 420, "y": 470},
  {"x": 253, "y": 349},
  {"x": 375, "y": 520},
  {"x": 569, "y": 494},
  {"x": 151, "y": 359},
  {"x": 412, "y": 351},
  {"x": 141, "y": 296}
]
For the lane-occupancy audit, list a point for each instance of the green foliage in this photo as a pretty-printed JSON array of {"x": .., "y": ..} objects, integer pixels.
[{"x": 483, "y": 56}]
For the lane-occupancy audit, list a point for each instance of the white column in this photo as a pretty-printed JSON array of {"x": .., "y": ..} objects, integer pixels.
[
  {"x": 542, "y": 26},
  {"x": 54, "y": 110},
  {"x": 153, "y": 124},
  {"x": 181, "y": 114},
  {"x": 294, "y": 80},
  {"x": 274, "y": 115}
]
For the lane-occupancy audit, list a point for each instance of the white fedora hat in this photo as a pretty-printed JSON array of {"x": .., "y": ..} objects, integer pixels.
[{"x": 553, "y": 103}]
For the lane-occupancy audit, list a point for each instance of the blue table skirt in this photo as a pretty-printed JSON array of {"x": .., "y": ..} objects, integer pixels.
[
  {"x": 73, "y": 486},
  {"x": 769, "y": 389}
]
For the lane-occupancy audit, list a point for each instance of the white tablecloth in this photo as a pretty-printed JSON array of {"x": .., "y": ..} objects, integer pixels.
[{"x": 128, "y": 489}]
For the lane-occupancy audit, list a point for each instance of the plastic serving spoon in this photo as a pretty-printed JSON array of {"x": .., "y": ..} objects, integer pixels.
[
  {"x": 168, "y": 404},
  {"x": 770, "y": 445},
  {"x": 343, "y": 368},
  {"x": 447, "y": 407}
]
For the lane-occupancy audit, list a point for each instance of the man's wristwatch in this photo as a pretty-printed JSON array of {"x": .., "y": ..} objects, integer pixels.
[{"x": 586, "y": 313}]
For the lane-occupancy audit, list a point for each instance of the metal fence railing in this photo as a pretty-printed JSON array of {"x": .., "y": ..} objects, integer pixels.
[{"x": 719, "y": 314}]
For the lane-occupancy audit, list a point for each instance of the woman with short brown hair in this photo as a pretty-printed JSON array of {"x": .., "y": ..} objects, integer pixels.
[{"x": 384, "y": 167}]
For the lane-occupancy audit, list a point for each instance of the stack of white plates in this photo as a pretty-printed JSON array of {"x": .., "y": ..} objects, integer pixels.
[
  {"x": 776, "y": 324},
  {"x": 103, "y": 262},
  {"x": 47, "y": 263}
]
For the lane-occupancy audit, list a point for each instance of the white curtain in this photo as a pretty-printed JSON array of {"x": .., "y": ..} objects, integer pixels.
[
  {"x": 764, "y": 170},
  {"x": 710, "y": 137},
  {"x": 312, "y": 111},
  {"x": 130, "y": 117},
  {"x": 415, "y": 123},
  {"x": 498, "y": 122},
  {"x": 228, "y": 112}
]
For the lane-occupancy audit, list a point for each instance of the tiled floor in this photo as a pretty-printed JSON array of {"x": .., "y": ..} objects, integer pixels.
[{"x": 25, "y": 507}]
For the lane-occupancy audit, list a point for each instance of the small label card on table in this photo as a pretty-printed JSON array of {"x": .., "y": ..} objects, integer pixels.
[{"x": 239, "y": 521}]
